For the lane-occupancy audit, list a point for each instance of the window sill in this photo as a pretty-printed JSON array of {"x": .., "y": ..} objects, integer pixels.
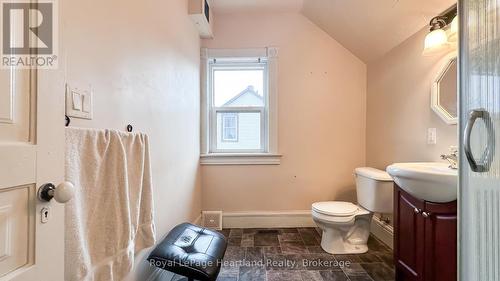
[{"x": 240, "y": 159}]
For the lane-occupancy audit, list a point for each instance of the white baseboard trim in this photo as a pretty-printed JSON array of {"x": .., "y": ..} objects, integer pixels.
[
  {"x": 383, "y": 231},
  {"x": 266, "y": 219},
  {"x": 278, "y": 219},
  {"x": 197, "y": 221}
]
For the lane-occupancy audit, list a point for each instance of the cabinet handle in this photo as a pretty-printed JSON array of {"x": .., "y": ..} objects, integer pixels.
[
  {"x": 426, "y": 215},
  {"x": 417, "y": 211}
]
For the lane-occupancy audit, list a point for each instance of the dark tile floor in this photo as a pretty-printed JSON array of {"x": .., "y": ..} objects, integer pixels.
[{"x": 294, "y": 254}]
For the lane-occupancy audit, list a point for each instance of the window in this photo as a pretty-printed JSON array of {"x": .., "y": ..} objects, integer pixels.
[
  {"x": 239, "y": 104},
  {"x": 229, "y": 127}
]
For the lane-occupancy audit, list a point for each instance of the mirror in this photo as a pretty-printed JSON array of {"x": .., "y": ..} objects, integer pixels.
[{"x": 445, "y": 91}]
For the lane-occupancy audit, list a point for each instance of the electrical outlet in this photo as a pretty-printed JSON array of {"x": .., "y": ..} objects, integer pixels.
[{"x": 432, "y": 136}]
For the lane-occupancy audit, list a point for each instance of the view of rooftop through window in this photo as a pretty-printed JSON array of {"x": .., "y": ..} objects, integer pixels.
[{"x": 229, "y": 84}]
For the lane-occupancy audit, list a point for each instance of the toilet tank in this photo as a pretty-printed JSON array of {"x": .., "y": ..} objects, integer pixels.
[{"x": 374, "y": 189}]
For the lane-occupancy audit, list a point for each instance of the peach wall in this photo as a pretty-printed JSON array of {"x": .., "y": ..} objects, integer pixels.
[
  {"x": 322, "y": 91},
  {"x": 398, "y": 107},
  {"x": 142, "y": 59}
]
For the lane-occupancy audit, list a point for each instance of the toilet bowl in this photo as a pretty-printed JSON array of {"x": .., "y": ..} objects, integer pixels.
[{"x": 345, "y": 225}]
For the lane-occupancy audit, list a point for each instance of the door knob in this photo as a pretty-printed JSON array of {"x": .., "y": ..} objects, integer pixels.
[
  {"x": 62, "y": 193},
  {"x": 426, "y": 215}
]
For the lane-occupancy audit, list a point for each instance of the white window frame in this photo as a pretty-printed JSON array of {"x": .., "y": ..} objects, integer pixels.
[
  {"x": 234, "y": 116},
  {"x": 241, "y": 58},
  {"x": 237, "y": 64}
]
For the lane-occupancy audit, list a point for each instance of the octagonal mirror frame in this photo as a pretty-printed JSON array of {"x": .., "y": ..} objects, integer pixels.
[{"x": 435, "y": 92}]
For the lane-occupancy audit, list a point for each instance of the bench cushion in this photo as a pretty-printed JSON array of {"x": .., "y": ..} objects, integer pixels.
[{"x": 191, "y": 251}]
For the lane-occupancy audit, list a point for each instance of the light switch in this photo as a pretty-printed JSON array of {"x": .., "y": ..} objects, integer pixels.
[
  {"x": 77, "y": 100},
  {"x": 432, "y": 136},
  {"x": 87, "y": 103}
]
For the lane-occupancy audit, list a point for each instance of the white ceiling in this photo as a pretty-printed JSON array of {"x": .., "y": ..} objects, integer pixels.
[
  {"x": 371, "y": 28},
  {"x": 238, "y": 6},
  {"x": 368, "y": 28}
]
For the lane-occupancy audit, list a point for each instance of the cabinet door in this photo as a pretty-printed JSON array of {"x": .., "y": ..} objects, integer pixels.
[
  {"x": 440, "y": 241},
  {"x": 409, "y": 236}
]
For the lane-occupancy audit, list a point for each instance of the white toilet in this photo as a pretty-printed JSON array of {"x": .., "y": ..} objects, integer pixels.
[{"x": 346, "y": 226}]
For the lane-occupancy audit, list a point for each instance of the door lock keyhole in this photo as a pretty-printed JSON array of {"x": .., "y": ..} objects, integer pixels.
[{"x": 45, "y": 214}]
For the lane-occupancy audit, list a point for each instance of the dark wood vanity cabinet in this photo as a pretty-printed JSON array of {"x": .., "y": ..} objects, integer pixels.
[
  {"x": 425, "y": 239},
  {"x": 408, "y": 236}
]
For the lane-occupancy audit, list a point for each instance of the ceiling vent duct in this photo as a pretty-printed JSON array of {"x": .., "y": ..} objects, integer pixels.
[{"x": 202, "y": 16}]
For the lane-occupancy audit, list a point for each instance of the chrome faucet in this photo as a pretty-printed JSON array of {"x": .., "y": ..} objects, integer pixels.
[{"x": 452, "y": 158}]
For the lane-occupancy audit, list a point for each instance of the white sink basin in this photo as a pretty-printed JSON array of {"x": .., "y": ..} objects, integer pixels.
[{"x": 434, "y": 182}]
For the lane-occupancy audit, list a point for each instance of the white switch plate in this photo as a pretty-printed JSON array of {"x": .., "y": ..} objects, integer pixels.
[
  {"x": 79, "y": 102},
  {"x": 432, "y": 136}
]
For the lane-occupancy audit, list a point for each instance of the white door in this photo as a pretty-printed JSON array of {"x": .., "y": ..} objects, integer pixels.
[
  {"x": 479, "y": 199},
  {"x": 31, "y": 154}
]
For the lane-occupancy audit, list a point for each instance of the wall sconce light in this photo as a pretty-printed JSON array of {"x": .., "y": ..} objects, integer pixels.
[
  {"x": 439, "y": 39},
  {"x": 453, "y": 36}
]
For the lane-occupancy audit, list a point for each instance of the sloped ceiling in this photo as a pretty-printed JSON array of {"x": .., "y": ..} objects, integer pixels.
[
  {"x": 368, "y": 28},
  {"x": 371, "y": 28},
  {"x": 239, "y": 6}
]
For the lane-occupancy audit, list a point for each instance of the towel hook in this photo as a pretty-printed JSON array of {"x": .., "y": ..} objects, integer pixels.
[
  {"x": 130, "y": 128},
  {"x": 68, "y": 120}
]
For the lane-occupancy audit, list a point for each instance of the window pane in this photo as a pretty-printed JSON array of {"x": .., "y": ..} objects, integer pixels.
[
  {"x": 229, "y": 120},
  {"x": 241, "y": 133},
  {"x": 236, "y": 87},
  {"x": 230, "y": 134},
  {"x": 229, "y": 127}
]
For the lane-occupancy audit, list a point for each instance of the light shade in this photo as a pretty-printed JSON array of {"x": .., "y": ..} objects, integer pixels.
[
  {"x": 453, "y": 36},
  {"x": 436, "y": 41}
]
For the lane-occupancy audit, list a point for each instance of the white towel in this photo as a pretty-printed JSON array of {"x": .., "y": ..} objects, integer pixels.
[{"x": 110, "y": 218}]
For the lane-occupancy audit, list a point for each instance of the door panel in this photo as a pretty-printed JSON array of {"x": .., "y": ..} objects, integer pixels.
[
  {"x": 409, "y": 233},
  {"x": 15, "y": 105},
  {"x": 15, "y": 228},
  {"x": 37, "y": 253},
  {"x": 479, "y": 192},
  {"x": 31, "y": 154},
  {"x": 441, "y": 242}
]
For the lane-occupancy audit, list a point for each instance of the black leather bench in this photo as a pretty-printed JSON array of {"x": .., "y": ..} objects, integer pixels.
[{"x": 191, "y": 251}]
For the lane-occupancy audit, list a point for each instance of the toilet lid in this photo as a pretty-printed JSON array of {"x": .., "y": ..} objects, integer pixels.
[{"x": 335, "y": 208}]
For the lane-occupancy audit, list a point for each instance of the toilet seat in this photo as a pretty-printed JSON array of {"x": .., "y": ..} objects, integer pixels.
[
  {"x": 337, "y": 211},
  {"x": 347, "y": 220},
  {"x": 336, "y": 208}
]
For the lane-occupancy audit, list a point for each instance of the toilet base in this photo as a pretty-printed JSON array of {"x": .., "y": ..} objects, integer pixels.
[
  {"x": 345, "y": 237},
  {"x": 332, "y": 242},
  {"x": 342, "y": 249}
]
